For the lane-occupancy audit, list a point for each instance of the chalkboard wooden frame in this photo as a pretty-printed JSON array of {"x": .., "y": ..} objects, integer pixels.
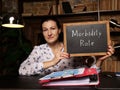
[{"x": 86, "y": 38}]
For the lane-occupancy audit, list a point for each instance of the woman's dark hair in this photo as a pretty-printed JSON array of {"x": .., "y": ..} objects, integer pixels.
[
  {"x": 57, "y": 23},
  {"x": 51, "y": 18}
]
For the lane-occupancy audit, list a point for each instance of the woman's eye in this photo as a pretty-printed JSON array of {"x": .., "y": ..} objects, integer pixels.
[
  {"x": 44, "y": 30},
  {"x": 53, "y": 28}
]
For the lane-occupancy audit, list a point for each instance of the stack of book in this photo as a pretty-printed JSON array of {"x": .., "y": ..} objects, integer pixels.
[{"x": 71, "y": 77}]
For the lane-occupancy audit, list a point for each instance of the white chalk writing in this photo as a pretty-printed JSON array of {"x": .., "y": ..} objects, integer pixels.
[{"x": 86, "y": 33}]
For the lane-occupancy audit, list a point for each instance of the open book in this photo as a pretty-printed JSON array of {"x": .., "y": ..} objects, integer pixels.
[{"x": 71, "y": 77}]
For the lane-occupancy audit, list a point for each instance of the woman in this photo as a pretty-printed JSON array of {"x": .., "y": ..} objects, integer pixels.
[{"x": 50, "y": 56}]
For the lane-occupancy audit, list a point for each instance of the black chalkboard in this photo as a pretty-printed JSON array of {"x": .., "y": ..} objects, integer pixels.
[{"x": 86, "y": 38}]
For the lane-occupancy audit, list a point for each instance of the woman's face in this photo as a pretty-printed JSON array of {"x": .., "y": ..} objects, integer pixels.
[{"x": 50, "y": 31}]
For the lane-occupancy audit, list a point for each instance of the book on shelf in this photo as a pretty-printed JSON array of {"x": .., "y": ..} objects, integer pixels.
[
  {"x": 71, "y": 77},
  {"x": 66, "y": 7}
]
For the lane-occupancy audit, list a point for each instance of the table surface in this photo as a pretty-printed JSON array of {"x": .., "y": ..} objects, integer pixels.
[{"x": 107, "y": 81}]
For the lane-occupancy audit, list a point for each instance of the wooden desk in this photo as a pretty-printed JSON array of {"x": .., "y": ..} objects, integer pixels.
[
  {"x": 31, "y": 83},
  {"x": 108, "y": 81}
]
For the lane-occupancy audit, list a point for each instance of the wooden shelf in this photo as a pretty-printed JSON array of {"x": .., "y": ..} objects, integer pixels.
[{"x": 102, "y": 12}]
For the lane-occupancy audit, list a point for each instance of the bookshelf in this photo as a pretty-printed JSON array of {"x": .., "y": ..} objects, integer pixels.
[{"x": 104, "y": 9}]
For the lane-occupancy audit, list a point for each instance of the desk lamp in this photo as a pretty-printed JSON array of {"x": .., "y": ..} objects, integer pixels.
[
  {"x": 14, "y": 46},
  {"x": 12, "y": 21}
]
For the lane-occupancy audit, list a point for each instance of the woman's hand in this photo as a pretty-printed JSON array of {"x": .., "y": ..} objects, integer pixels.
[
  {"x": 60, "y": 54},
  {"x": 108, "y": 54}
]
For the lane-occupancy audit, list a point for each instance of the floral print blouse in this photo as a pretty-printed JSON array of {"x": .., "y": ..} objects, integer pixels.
[{"x": 34, "y": 63}]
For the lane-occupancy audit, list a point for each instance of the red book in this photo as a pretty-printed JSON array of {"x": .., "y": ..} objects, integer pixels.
[{"x": 71, "y": 77}]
